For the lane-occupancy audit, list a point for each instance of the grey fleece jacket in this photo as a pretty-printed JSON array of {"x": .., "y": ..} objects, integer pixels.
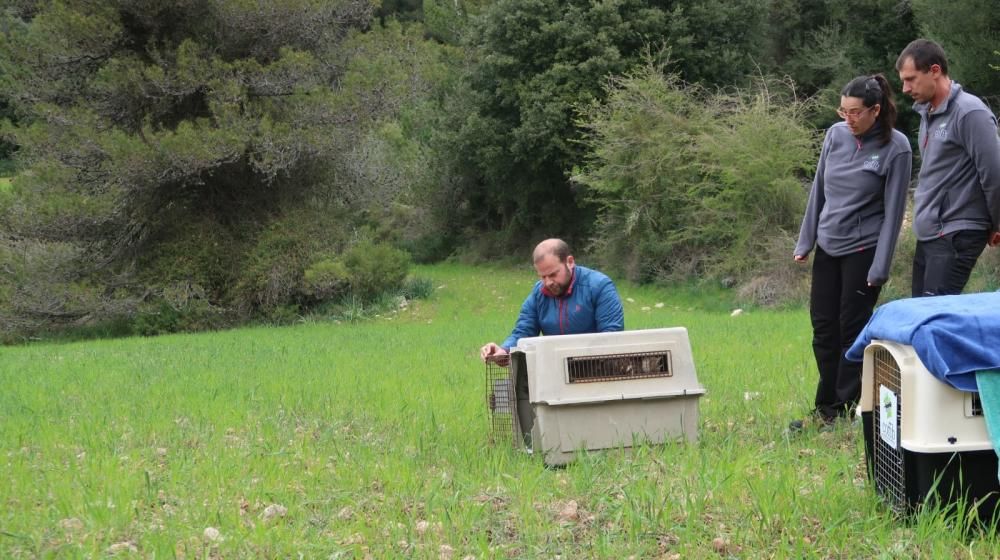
[
  {"x": 959, "y": 184},
  {"x": 858, "y": 197}
]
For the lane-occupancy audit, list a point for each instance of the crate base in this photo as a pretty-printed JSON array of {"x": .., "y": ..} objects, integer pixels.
[
  {"x": 942, "y": 477},
  {"x": 560, "y": 431}
]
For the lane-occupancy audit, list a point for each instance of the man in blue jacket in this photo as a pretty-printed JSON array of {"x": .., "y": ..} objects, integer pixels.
[
  {"x": 567, "y": 299},
  {"x": 956, "y": 207}
]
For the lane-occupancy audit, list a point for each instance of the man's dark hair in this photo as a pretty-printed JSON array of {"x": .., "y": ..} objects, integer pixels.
[
  {"x": 874, "y": 90},
  {"x": 925, "y": 53}
]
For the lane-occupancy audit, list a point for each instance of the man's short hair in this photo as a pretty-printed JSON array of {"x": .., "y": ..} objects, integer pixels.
[
  {"x": 556, "y": 247},
  {"x": 925, "y": 53}
]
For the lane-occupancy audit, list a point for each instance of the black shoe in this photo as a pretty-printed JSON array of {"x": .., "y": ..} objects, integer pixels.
[{"x": 825, "y": 423}]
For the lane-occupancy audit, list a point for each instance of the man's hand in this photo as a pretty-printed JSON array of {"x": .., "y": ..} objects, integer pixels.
[
  {"x": 994, "y": 239},
  {"x": 492, "y": 352},
  {"x": 800, "y": 258}
]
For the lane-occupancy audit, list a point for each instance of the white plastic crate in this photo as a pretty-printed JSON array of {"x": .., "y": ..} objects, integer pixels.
[
  {"x": 608, "y": 390},
  {"x": 937, "y": 418},
  {"x": 922, "y": 436}
]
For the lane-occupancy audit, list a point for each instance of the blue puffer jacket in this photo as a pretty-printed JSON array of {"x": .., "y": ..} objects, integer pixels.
[{"x": 590, "y": 304}]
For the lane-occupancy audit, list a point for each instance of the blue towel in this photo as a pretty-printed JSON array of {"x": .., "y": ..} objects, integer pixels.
[
  {"x": 954, "y": 336},
  {"x": 989, "y": 395}
]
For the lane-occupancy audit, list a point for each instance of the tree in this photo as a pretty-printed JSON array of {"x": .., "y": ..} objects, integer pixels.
[
  {"x": 693, "y": 183},
  {"x": 969, "y": 32},
  {"x": 821, "y": 45},
  {"x": 139, "y": 115},
  {"x": 538, "y": 60}
]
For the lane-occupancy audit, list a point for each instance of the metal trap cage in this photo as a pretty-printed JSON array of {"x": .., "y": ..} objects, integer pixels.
[{"x": 501, "y": 402}]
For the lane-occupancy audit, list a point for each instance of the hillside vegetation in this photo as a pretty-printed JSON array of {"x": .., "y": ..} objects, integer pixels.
[{"x": 185, "y": 165}]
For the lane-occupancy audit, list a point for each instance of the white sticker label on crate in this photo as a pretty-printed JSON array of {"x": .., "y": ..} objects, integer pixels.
[{"x": 888, "y": 409}]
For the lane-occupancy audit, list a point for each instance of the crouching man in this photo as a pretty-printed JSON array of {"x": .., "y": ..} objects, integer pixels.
[{"x": 567, "y": 299}]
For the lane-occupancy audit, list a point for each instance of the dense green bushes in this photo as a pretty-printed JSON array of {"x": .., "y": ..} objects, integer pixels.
[
  {"x": 968, "y": 32},
  {"x": 692, "y": 183},
  {"x": 534, "y": 61},
  {"x": 189, "y": 164},
  {"x": 200, "y": 157}
]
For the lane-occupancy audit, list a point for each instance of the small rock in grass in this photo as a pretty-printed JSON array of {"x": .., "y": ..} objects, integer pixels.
[
  {"x": 356, "y": 538},
  {"x": 345, "y": 513},
  {"x": 274, "y": 510},
  {"x": 121, "y": 547},
  {"x": 569, "y": 512},
  {"x": 422, "y": 526},
  {"x": 71, "y": 524},
  {"x": 212, "y": 534},
  {"x": 736, "y": 312}
]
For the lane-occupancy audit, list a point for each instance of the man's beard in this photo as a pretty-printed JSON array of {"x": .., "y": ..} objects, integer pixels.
[{"x": 558, "y": 289}]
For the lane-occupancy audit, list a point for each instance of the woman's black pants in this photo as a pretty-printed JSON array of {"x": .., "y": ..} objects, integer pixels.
[{"x": 840, "y": 304}]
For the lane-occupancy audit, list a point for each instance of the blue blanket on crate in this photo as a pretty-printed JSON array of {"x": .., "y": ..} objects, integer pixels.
[{"x": 954, "y": 336}]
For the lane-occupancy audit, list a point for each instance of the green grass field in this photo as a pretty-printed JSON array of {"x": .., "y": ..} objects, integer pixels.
[{"x": 369, "y": 440}]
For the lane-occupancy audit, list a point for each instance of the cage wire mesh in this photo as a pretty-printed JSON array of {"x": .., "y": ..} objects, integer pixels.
[
  {"x": 502, "y": 403},
  {"x": 888, "y": 458}
]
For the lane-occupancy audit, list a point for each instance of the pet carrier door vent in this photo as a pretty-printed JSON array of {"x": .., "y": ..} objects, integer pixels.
[
  {"x": 618, "y": 367},
  {"x": 888, "y": 464}
]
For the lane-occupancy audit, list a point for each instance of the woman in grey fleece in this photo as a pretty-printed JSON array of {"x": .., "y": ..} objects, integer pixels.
[{"x": 852, "y": 219}]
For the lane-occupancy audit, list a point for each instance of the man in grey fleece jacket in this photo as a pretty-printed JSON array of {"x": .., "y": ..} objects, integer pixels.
[{"x": 957, "y": 201}]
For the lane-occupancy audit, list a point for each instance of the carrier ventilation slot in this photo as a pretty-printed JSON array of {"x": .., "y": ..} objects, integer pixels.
[
  {"x": 619, "y": 367},
  {"x": 975, "y": 405}
]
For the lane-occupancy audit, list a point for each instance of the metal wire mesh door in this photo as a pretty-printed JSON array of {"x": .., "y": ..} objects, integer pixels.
[
  {"x": 502, "y": 403},
  {"x": 888, "y": 463}
]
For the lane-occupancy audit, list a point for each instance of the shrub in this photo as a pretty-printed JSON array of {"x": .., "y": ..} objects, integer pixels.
[
  {"x": 42, "y": 288},
  {"x": 274, "y": 268},
  {"x": 778, "y": 280},
  {"x": 194, "y": 254},
  {"x": 901, "y": 272},
  {"x": 179, "y": 307},
  {"x": 375, "y": 268},
  {"x": 692, "y": 184},
  {"x": 417, "y": 288},
  {"x": 325, "y": 279}
]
